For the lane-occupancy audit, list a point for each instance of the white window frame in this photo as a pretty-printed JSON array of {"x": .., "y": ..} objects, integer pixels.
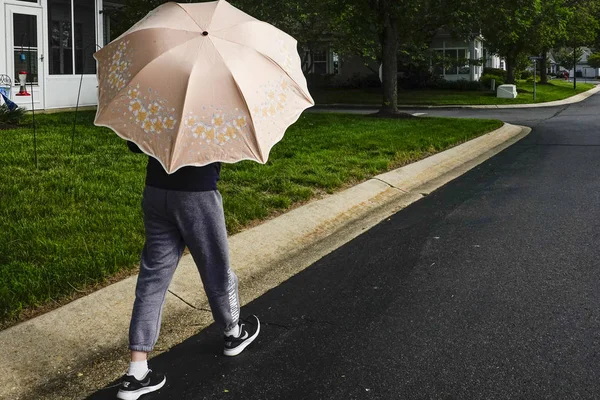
[
  {"x": 325, "y": 61},
  {"x": 97, "y": 23},
  {"x": 446, "y": 49}
]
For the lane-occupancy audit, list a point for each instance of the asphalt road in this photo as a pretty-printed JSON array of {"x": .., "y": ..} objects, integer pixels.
[{"x": 485, "y": 289}]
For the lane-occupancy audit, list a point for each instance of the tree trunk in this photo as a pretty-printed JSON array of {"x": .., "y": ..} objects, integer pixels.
[
  {"x": 389, "y": 74},
  {"x": 544, "y": 67},
  {"x": 390, "y": 65},
  {"x": 510, "y": 69}
]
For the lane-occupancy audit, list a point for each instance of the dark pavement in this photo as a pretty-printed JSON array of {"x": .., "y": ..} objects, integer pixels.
[{"x": 488, "y": 288}]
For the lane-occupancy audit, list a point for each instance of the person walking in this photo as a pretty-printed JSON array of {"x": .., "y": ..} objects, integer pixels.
[{"x": 181, "y": 209}]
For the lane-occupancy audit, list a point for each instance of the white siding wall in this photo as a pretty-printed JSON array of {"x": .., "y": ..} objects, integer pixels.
[
  {"x": 447, "y": 43},
  {"x": 586, "y": 71},
  {"x": 3, "y": 38},
  {"x": 61, "y": 91},
  {"x": 58, "y": 91}
]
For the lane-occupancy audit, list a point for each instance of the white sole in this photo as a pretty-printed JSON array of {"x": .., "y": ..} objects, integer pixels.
[
  {"x": 138, "y": 393},
  {"x": 240, "y": 348}
]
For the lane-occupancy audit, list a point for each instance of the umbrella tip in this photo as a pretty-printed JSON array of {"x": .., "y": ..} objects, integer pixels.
[{"x": 204, "y": 33}]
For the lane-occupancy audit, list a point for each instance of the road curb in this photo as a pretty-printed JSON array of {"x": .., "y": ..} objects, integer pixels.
[
  {"x": 83, "y": 344},
  {"x": 571, "y": 100}
]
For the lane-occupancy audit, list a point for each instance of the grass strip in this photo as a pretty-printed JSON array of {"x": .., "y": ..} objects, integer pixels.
[
  {"x": 76, "y": 221},
  {"x": 555, "y": 90}
]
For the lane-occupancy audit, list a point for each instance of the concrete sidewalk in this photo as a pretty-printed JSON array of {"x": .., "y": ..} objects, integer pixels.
[
  {"x": 571, "y": 100},
  {"x": 79, "y": 348}
]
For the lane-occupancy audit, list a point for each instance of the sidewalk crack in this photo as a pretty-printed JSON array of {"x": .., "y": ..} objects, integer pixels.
[
  {"x": 189, "y": 304},
  {"x": 390, "y": 185}
]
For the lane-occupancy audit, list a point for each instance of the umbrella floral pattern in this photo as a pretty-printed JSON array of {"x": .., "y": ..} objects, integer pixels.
[{"x": 197, "y": 83}]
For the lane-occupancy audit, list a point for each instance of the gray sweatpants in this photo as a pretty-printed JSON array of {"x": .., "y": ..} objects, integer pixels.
[{"x": 173, "y": 220}]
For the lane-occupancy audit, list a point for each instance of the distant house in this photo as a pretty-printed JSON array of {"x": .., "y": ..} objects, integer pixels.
[
  {"x": 328, "y": 62},
  {"x": 582, "y": 68},
  {"x": 552, "y": 66},
  {"x": 460, "y": 51},
  {"x": 320, "y": 62}
]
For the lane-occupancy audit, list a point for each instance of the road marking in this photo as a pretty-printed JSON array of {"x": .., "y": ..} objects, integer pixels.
[{"x": 419, "y": 114}]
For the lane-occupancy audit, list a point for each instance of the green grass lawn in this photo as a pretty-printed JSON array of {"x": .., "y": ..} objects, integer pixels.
[
  {"x": 555, "y": 90},
  {"x": 75, "y": 221}
]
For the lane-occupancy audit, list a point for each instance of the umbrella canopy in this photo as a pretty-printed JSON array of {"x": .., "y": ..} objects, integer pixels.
[{"x": 192, "y": 84}]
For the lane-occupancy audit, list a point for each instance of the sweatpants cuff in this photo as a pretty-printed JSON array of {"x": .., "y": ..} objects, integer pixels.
[
  {"x": 145, "y": 349},
  {"x": 231, "y": 326}
]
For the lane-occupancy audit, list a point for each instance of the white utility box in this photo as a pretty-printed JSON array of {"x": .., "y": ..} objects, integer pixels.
[{"x": 507, "y": 92}]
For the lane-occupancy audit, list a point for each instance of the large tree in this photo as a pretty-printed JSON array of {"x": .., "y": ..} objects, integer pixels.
[
  {"x": 568, "y": 57},
  {"x": 582, "y": 26},
  {"x": 387, "y": 29},
  {"x": 594, "y": 60},
  {"x": 311, "y": 22},
  {"x": 550, "y": 28},
  {"x": 508, "y": 29},
  {"x": 132, "y": 11}
]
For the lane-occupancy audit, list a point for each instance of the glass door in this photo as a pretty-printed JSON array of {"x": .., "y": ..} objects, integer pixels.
[{"x": 25, "y": 54}]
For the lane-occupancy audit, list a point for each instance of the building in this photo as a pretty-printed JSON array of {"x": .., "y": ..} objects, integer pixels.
[
  {"x": 460, "y": 52},
  {"x": 54, "y": 42},
  {"x": 582, "y": 68},
  {"x": 443, "y": 45},
  {"x": 552, "y": 66}
]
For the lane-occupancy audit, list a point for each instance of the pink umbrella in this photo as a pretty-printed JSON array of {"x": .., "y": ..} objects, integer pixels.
[{"x": 192, "y": 84}]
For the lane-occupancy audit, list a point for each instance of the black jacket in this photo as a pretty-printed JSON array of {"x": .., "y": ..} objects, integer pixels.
[{"x": 186, "y": 179}]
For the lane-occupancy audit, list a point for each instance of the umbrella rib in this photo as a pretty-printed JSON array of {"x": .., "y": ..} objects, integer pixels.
[
  {"x": 308, "y": 97},
  {"x": 118, "y": 93},
  {"x": 188, "y": 14},
  {"x": 187, "y": 89},
  {"x": 260, "y": 155}
]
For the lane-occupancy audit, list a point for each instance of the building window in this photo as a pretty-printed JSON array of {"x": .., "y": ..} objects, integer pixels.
[
  {"x": 106, "y": 21},
  {"x": 25, "y": 46},
  {"x": 438, "y": 62},
  {"x": 463, "y": 62},
  {"x": 109, "y": 10},
  {"x": 336, "y": 63},
  {"x": 72, "y": 44},
  {"x": 451, "y": 62},
  {"x": 319, "y": 62},
  {"x": 451, "y": 55},
  {"x": 85, "y": 36}
]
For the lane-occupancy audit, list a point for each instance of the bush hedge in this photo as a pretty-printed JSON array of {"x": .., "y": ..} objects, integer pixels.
[
  {"x": 495, "y": 71},
  {"x": 11, "y": 117},
  {"x": 486, "y": 80}
]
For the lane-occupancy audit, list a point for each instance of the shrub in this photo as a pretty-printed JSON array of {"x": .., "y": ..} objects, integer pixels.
[
  {"x": 496, "y": 72},
  {"x": 14, "y": 117},
  {"x": 416, "y": 78},
  {"x": 526, "y": 74},
  {"x": 356, "y": 81},
  {"x": 460, "y": 85},
  {"x": 318, "y": 81},
  {"x": 359, "y": 81},
  {"x": 486, "y": 80}
]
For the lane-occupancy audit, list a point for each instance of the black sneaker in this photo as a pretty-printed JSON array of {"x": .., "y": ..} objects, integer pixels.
[
  {"x": 132, "y": 389},
  {"x": 249, "y": 329}
]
